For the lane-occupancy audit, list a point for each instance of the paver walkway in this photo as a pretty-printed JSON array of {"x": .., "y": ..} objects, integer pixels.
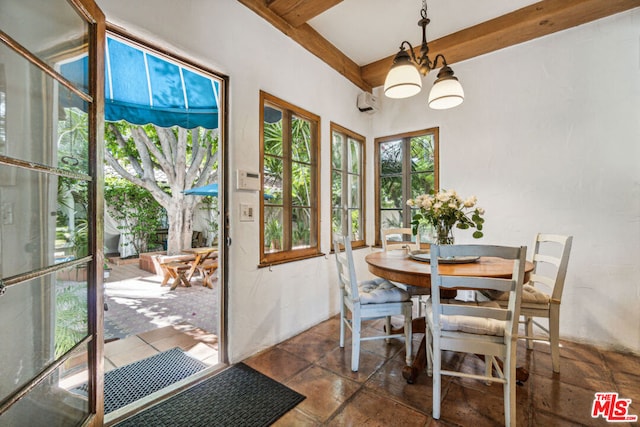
[{"x": 136, "y": 303}]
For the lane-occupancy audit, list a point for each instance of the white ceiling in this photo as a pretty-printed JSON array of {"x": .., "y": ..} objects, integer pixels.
[{"x": 369, "y": 30}]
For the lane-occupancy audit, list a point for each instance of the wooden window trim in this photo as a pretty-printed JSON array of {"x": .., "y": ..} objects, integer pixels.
[
  {"x": 363, "y": 190},
  {"x": 404, "y": 137},
  {"x": 268, "y": 259}
]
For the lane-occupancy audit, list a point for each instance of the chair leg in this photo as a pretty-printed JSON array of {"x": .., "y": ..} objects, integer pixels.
[
  {"x": 388, "y": 328},
  {"x": 429, "y": 350},
  {"x": 509, "y": 370},
  {"x": 342, "y": 320},
  {"x": 554, "y": 336},
  {"x": 529, "y": 326},
  {"x": 355, "y": 340},
  {"x": 408, "y": 336},
  {"x": 488, "y": 368},
  {"x": 437, "y": 378}
]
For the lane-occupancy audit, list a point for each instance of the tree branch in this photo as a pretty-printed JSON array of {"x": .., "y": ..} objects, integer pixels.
[
  {"x": 197, "y": 155},
  {"x": 166, "y": 156},
  {"x": 180, "y": 158},
  {"x": 123, "y": 145},
  {"x": 144, "y": 145}
]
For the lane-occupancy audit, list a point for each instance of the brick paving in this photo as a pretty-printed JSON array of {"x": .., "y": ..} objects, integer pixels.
[{"x": 136, "y": 303}]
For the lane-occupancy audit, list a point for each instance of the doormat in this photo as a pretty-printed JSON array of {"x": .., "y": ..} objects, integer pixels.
[
  {"x": 237, "y": 396},
  {"x": 126, "y": 384}
]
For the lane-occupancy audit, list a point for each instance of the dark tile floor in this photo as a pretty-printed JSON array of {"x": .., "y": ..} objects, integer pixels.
[{"x": 313, "y": 364}]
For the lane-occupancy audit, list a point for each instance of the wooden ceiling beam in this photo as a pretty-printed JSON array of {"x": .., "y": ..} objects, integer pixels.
[
  {"x": 537, "y": 20},
  {"x": 297, "y": 12},
  {"x": 311, "y": 40}
]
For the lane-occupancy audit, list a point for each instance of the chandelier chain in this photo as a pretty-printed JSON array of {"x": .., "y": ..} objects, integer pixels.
[{"x": 423, "y": 12}]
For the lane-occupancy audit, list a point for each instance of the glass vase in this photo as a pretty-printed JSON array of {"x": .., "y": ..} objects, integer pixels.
[{"x": 444, "y": 234}]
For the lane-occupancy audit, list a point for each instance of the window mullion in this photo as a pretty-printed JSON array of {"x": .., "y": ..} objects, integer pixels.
[
  {"x": 314, "y": 188},
  {"x": 406, "y": 181},
  {"x": 345, "y": 190},
  {"x": 287, "y": 185}
]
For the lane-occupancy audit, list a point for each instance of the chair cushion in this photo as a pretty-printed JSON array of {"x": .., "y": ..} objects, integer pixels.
[
  {"x": 412, "y": 290},
  {"x": 469, "y": 324},
  {"x": 378, "y": 291},
  {"x": 530, "y": 294}
]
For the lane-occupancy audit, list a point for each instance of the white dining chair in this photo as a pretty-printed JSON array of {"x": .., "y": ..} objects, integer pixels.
[
  {"x": 399, "y": 238},
  {"x": 403, "y": 239},
  {"x": 370, "y": 299},
  {"x": 542, "y": 294},
  {"x": 481, "y": 328}
]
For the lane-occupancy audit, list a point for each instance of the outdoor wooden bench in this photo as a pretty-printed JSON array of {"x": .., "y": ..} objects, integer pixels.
[
  {"x": 175, "y": 270},
  {"x": 207, "y": 270}
]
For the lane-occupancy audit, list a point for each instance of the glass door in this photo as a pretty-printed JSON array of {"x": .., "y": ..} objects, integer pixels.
[{"x": 51, "y": 256}]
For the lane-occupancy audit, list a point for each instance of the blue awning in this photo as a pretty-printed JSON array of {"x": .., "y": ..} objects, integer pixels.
[
  {"x": 142, "y": 88},
  {"x": 212, "y": 190},
  {"x": 206, "y": 190}
]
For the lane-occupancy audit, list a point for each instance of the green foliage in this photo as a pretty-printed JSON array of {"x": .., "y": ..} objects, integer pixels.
[
  {"x": 301, "y": 233},
  {"x": 393, "y": 221},
  {"x": 273, "y": 234},
  {"x": 71, "y": 318},
  {"x": 80, "y": 239},
  {"x": 72, "y": 197},
  {"x": 211, "y": 206},
  {"x": 355, "y": 223},
  {"x": 301, "y": 180},
  {"x": 421, "y": 157},
  {"x": 118, "y": 151},
  {"x": 73, "y": 141},
  {"x": 125, "y": 152},
  {"x": 135, "y": 209}
]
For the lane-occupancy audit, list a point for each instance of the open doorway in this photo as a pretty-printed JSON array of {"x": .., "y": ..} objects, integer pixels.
[{"x": 164, "y": 258}]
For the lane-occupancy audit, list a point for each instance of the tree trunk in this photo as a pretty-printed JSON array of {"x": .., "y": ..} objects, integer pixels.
[
  {"x": 166, "y": 152},
  {"x": 180, "y": 216}
]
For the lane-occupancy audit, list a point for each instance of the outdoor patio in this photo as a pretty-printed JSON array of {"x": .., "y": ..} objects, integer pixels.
[{"x": 136, "y": 303}]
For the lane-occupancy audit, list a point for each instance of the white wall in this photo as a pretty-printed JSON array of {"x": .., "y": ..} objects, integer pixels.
[
  {"x": 265, "y": 306},
  {"x": 548, "y": 139}
]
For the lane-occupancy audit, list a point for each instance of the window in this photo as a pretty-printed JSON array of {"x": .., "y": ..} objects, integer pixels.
[
  {"x": 290, "y": 191},
  {"x": 347, "y": 184},
  {"x": 406, "y": 166}
]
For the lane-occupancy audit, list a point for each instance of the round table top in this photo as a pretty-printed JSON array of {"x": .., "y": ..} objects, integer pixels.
[{"x": 399, "y": 267}]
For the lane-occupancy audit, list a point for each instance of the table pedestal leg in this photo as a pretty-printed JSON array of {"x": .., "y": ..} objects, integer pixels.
[{"x": 410, "y": 373}]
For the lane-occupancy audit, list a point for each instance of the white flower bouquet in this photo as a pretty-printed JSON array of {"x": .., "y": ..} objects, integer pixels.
[{"x": 443, "y": 211}]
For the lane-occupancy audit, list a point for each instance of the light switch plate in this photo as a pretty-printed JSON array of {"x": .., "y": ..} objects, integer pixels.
[{"x": 247, "y": 212}]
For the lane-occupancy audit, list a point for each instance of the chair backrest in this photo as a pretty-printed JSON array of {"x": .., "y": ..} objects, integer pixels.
[
  {"x": 345, "y": 266},
  {"x": 399, "y": 242},
  {"x": 512, "y": 285},
  {"x": 550, "y": 259}
]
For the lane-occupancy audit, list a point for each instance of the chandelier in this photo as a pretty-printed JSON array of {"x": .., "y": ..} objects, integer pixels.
[{"x": 405, "y": 76}]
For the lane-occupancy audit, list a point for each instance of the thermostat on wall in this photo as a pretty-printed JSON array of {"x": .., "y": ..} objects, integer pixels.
[{"x": 248, "y": 180}]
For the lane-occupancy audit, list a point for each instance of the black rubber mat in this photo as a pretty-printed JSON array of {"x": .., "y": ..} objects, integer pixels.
[
  {"x": 237, "y": 396},
  {"x": 129, "y": 383}
]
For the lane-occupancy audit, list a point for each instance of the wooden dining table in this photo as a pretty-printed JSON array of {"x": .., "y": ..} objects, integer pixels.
[{"x": 398, "y": 266}]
